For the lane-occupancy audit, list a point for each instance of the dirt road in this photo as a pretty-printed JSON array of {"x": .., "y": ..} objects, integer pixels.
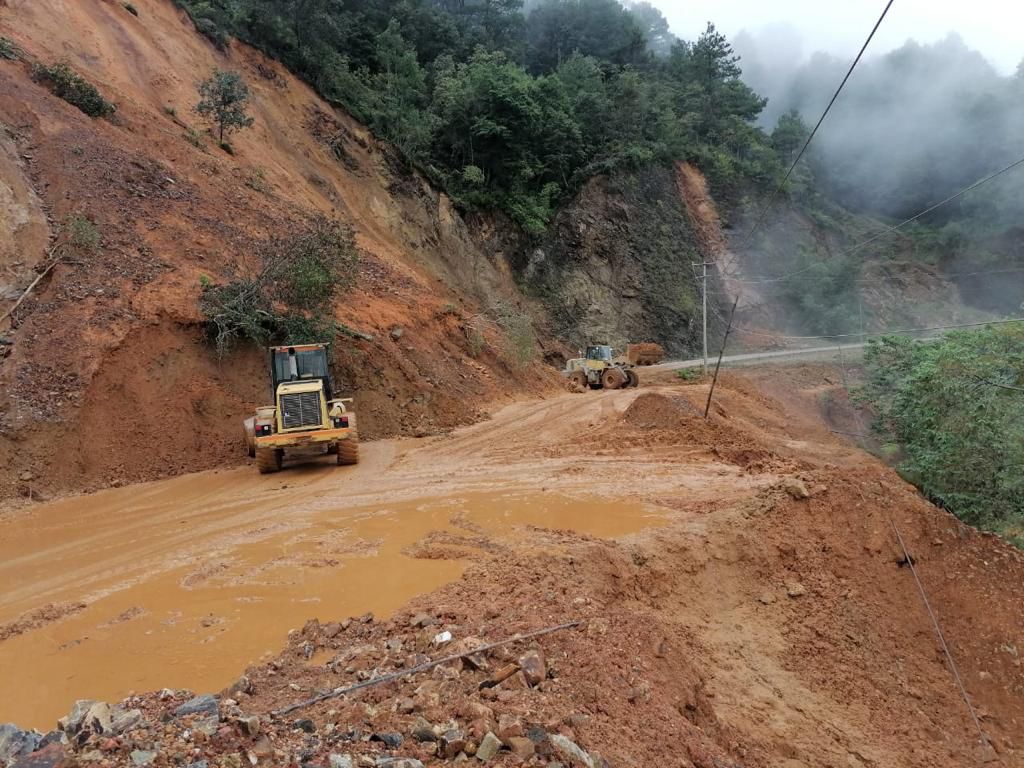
[
  {"x": 182, "y": 582},
  {"x": 738, "y": 580}
]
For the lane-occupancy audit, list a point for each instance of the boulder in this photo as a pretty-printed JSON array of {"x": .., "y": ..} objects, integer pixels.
[{"x": 198, "y": 705}]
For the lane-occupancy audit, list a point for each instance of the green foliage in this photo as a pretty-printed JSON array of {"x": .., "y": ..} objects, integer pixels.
[
  {"x": 690, "y": 374},
  {"x": 289, "y": 299},
  {"x": 8, "y": 50},
  {"x": 514, "y": 112},
  {"x": 257, "y": 180},
  {"x": 224, "y": 98},
  {"x": 82, "y": 234},
  {"x": 603, "y": 29},
  {"x": 67, "y": 84},
  {"x": 956, "y": 408},
  {"x": 194, "y": 137}
]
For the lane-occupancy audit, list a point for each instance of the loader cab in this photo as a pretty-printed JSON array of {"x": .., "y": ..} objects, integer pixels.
[
  {"x": 599, "y": 352},
  {"x": 301, "y": 363}
]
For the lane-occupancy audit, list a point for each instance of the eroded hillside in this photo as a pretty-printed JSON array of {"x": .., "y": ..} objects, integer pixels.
[{"x": 107, "y": 378}]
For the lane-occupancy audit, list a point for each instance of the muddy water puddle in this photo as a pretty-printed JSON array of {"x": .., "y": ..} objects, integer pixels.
[{"x": 185, "y": 588}]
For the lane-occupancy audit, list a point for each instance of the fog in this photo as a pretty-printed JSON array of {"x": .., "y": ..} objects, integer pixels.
[{"x": 992, "y": 26}]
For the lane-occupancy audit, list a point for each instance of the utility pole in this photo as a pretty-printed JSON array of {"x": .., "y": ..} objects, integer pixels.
[{"x": 704, "y": 302}]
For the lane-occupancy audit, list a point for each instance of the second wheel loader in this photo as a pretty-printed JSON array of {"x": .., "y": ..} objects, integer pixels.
[{"x": 598, "y": 369}]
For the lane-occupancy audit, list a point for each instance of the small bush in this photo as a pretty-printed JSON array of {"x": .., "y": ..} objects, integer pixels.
[
  {"x": 67, "y": 84},
  {"x": 256, "y": 180},
  {"x": 83, "y": 234},
  {"x": 690, "y": 374},
  {"x": 8, "y": 50},
  {"x": 227, "y": 147},
  {"x": 291, "y": 298},
  {"x": 170, "y": 111},
  {"x": 194, "y": 137}
]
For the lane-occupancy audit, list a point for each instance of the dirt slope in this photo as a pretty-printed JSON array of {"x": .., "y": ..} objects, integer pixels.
[{"x": 107, "y": 380}]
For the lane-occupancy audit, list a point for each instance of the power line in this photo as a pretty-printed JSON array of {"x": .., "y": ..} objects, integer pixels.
[
  {"x": 889, "y": 230},
  {"x": 810, "y": 137}
]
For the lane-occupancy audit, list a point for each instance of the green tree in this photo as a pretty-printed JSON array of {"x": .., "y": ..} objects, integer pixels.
[
  {"x": 224, "y": 98},
  {"x": 556, "y": 29}
]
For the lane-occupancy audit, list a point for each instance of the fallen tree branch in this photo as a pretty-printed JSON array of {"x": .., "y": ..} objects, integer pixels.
[
  {"x": 53, "y": 263},
  {"x": 421, "y": 668}
]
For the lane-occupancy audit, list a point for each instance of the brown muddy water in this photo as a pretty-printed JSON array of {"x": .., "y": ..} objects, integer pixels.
[{"x": 183, "y": 583}]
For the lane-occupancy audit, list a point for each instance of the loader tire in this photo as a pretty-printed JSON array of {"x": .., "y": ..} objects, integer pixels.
[
  {"x": 612, "y": 378},
  {"x": 579, "y": 379},
  {"x": 269, "y": 460},
  {"x": 348, "y": 450},
  {"x": 632, "y": 379}
]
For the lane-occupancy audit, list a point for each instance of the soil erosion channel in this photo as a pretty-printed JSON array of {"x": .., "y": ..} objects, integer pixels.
[{"x": 184, "y": 582}]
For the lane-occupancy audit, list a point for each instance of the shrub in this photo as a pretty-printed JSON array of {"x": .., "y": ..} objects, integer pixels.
[
  {"x": 256, "y": 180},
  {"x": 194, "y": 137},
  {"x": 83, "y": 235},
  {"x": 956, "y": 409},
  {"x": 67, "y": 84},
  {"x": 8, "y": 50},
  {"x": 290, "y": 298},
  {"x": 690, "y": 374}
]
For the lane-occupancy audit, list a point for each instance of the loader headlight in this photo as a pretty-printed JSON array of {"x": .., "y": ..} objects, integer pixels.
[
  {"x": 264, "y": 429},
  {"x": 340, "y": 422}
]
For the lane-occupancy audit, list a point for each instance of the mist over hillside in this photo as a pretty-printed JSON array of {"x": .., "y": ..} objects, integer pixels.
[{"x": 912, "y": 126}]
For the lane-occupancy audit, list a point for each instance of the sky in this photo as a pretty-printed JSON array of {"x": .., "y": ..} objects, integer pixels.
[{"x": 992, "y": 27}]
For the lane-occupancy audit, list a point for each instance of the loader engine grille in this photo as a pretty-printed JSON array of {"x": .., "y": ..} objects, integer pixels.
[{"x": 301, "y": 410}]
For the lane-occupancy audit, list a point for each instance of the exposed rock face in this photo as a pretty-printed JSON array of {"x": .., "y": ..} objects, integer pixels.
[{"x": 616, "y": 265}]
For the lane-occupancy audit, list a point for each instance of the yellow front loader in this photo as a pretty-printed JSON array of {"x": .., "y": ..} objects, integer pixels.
[
  {"x": 305, "y": 419},
  {"x": 598, "y": 369}
]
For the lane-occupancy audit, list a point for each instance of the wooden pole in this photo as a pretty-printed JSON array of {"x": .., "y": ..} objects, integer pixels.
[{"x": 728, "y": 330}]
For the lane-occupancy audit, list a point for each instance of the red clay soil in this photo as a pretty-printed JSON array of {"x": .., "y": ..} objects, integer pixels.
[
  {"x": 776, "y": 627},
  {"x": 109, "y": 379}
]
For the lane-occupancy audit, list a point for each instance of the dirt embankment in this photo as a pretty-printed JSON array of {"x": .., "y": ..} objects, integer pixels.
[
  {"x": 772, "y": 620},
  {"x": 108, "y": 379}
]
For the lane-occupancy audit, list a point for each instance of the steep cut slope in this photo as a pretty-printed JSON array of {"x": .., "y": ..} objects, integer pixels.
[
  {"x": 108, "y": 379},
  {"x": 617, "y": 264}
]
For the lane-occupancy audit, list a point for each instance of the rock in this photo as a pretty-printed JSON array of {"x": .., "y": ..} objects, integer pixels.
[
  {"x": 340, "y": 761},
  {"x": 332, "y": 630},
  {"x": 304, "y": 724},
  {"x": 422, "y": 620},
  {"x": 534, "y": 669},
  {"x": 124, "y": 720},
  {"x": 72, "y": 721},
  {"x": 198, "y": 764},
  {"x": 442, "y": 637},
  {"x": 474, "y": 710},
  {"x": 398, "y": 762},
  {"x": 206, "y": 725},
  {"x": 143, "y": 756},
  {"x": 536, "y": 734},
  {"x": 263, "y": 747},
  {"x": 795, "y": 589},
  {"x": 509, "y": 727},
  {"x": 422, "y": 730},
  {"x": 570, "y": 749},
  {"x": 451, "y": 743},
  {"x": 521, "y": 747},
  {"x": 389, "y": 738},
  {"x": 26, "y": 476},
  {"x": 198, "y": 705},
  {"x": 50, "y": 756},
  {"x": 396, "y": 332},
  {"x": 250, "y": 725},
  {"x": 489, "y": 746},
  {"x": 15, "y": 742},
  {"x": 767, "y": 598},
  {"x": 796, "y": 488}
]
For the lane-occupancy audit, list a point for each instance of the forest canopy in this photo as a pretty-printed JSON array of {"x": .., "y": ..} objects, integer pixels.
[{"x": 513, "y": 108}]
